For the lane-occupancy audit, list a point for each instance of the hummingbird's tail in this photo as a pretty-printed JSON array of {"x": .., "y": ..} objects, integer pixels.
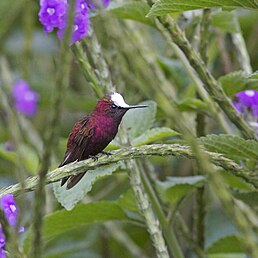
[
  {"x": 64, "y": 180},
  {"x": 72, "y": 180}
]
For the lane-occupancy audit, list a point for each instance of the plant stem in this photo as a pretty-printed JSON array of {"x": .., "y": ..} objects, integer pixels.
[
  {"x": 93, "y": 65},
  {"x": 187, "y": 236},
  {"x": 13, "y": 14},
  {"x": 87, "y": 70},
  {"x": 216, "y": 111},
  {"x": 239, "y": 42},
  {"x": 245, "y": 219},
  {"x": 169, "y": 235},
  {"x": 28, "y": 21},
  {"x": 62, "y": 79},
  {"x": 201, "y": 212},
  {"x": 14, "y": 127},
  {"x": 145, "y": 207},
  {"x": 174, "y": 33},
  {"x": 200, "y": 131},
  {"x": 177, "y": 150},
  {"x": 204, "y": 34},
  {"x": 101, "y": 80},
  {"x": 93, "y": 47},
  {"x": 171, "y": 31},
  {"x": 121, "y": 237}
]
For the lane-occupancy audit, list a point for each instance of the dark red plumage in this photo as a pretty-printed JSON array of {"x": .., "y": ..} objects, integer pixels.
[{"x": 93, "y": 133}]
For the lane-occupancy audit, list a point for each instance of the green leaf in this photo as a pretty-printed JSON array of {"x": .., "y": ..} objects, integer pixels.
[
  {"x": 232, "y": 146},
  {"x": 175, "y": 70},
  {"x": 72, "y": 250},
  {"x": 134, "y": 11},
  {"x": 113, "y": 145},
  {"x": 175, "y": 188},
  {"x": 84, "y": 213},
  {"x": 162, "y": 7},
  {"x": 61, "y": 221},
  {"x": 127, "y": 201},
  {"x": 8, "y": 155},
  {"x": 152, "y": 135},
  {"x": 238, "y": 81},
  {"x": 227, "y": 255},
  {"x": 29, "y": 157},
  {"x": 219, "y": 227},
  {"x": 235, "y": 182},
  {"x": 252, "y": 82},
  {"x": 233, "y": 82},
  {"x": 225, "y": 21},
  {"x": 192, "y": 104},
  {"x": 228, "y": 244},
  {"x": 253, "y": 75},
  {"x": 9, "y": 12},
  {"x": 69, "y": 198},
  {"x": 137, "y": 121},
  {"x": 251, "y": 198}
]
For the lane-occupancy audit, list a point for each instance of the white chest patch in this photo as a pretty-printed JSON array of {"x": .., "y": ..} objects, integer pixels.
[{"x": 118, "y": 100}]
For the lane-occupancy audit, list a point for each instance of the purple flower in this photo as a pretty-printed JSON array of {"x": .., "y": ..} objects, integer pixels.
[
  {"x": 25, "y": 99},
  {"x": 11, "y": 212},
  {"x": 9, "y": 208},
  {"x": 80, "y": 28},
  {"x": 53, "y": 14},
  {"x": 247, "y": 100},
  {"x": 255, "y": 110},
  {"x": 2, "y": 238},
  {"x": 2, "y": 253},
  {"x": 105, "y": 3},
  {"x": 9, "y": 146},
  {"x": 81, "y": 22},
  {"x": 81, "y": 7}
]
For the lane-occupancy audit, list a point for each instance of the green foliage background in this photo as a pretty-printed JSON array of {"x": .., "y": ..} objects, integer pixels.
[{"x": 200, "y": 209}]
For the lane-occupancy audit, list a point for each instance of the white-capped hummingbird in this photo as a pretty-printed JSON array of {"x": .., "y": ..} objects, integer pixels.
[{"x": 94, "y": 132}]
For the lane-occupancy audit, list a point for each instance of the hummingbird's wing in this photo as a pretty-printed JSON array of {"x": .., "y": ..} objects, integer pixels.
[{"x": 78, "y": 141}]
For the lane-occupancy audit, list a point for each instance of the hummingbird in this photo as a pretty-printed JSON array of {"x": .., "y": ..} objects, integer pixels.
[{"x": 91, "y": 134}]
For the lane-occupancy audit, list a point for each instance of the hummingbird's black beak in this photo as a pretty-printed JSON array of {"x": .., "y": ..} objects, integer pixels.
[{"x": 136, "y": 106}]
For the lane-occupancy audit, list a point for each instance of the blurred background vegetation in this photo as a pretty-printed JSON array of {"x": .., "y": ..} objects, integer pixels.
[{"x": 142, "y": 65}]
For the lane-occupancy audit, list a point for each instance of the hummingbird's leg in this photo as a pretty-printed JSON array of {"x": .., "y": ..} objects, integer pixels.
[
  {"x": 95, "y": 158},
  {"x": 108, "y": 153}
]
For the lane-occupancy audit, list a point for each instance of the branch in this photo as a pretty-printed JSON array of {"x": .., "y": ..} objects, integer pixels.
[
  {"x": 132, "y": 153},
  {"x": 239, "y": 42}
]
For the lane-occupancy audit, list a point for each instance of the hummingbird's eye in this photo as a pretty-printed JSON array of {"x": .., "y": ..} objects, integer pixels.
[{"x": 114, "y": 106}]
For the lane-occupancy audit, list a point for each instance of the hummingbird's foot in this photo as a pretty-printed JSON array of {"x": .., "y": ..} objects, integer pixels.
[
  {"x": 95, "y": 158},
  {"x": 107, "y": 153}
]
